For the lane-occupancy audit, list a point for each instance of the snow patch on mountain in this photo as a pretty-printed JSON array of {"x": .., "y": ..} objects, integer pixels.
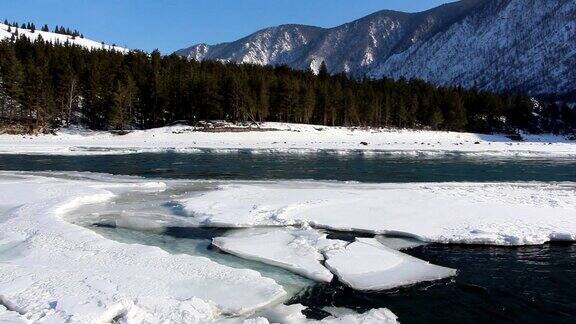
[
  {"x": 513, "y": 45},
  {"x": 55, "y": 38}
]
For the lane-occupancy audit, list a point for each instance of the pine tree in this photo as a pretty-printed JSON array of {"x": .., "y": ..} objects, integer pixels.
[
  {"x": 123, "y": 103},
  {"x": 436, "y": 119},
  {"x": 413, "y": 111},
  {"x": 455, "y": 117},
  {"x": 401, "y": 113},
  {"x": 323, "y": 71},
  {"x": 263, "y": 99},
  {"x": 6, "y": 112},
  {"x": 12, "y": 76},
  {"x": 307, "y": 103}
]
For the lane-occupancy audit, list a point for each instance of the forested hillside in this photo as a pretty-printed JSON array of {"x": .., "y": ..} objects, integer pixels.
[
  {"x": 494, "y": 45},
  {"x": 45, "y": 85}
]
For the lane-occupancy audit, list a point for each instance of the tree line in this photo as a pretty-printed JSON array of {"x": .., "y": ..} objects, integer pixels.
[
  {"x": 32, "y": 27},
  {"x": 44, "y": 86}
]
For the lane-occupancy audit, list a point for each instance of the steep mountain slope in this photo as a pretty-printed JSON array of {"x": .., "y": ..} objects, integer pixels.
[
  {"x": 352, "y": 47},
  {"x": 56, "y": 38},
  {"x": 525, "y": 45}
]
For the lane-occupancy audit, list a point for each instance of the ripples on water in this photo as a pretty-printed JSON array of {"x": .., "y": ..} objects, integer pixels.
[
  {"x": 244, "y": 165},
  {"x": 494, "y": 284}
]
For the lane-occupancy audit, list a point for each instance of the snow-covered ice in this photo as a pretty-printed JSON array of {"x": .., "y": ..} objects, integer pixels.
[
  {"x": 365, "y": 264},
  {"x": 298, "y": 250},
  {"x": 472, "y": 213},
  {"x": 54, "y": 271},
  {"x": 399, "y": 243},
  {"x": 370, "y": 266},
  {"x": 292, "y": 314},
  {"x": 290, "y": 138},
  {"x": 11, "y": 317}
]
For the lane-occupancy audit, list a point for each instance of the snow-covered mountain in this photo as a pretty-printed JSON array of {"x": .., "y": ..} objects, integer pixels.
[
  {"x": 55, "y": 38},
  {"x": 525, "y": 45}
]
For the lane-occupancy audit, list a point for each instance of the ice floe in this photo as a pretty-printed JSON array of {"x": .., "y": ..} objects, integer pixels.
[
  {"x": 59, "y": 272},
  {"x": 365, "y": 264},
  {"x": 471, "y": 213},
  {"x": 399, "y": 243},
  {"x": 292, "y": 314},
  {"x": 370, "y": 266},
  {"x": 298, "y": 250}
]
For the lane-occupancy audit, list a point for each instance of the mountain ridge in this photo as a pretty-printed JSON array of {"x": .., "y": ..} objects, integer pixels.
[{"x": 398, "y": 44}]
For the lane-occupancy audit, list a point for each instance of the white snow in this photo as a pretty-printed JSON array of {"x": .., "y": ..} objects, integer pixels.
[
  {"x": 58, "y": 39},
  {"x": 56, "y": 272},
  {"x": 363, "y": 265},
  {"x": 10, "y": 317},
  {"x": 292, "y": 314},
  {"x": 297, "y": 250},
  {"x": 399, "y": 243},
  {"x": 370, "y": 266},
  {"x": 290, "y": 138},
  {"x": 472, "y": 213}
]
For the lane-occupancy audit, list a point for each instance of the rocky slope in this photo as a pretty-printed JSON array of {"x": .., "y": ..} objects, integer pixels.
[{"x": 519, "y": 45}]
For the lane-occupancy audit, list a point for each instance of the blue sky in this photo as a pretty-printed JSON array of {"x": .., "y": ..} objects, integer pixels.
[{"x": 173, "y": 24}]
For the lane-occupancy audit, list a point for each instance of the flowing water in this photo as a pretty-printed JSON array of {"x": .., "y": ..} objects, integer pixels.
[
  {"x": 494, "y": 284},
  {"x": 245, "y": 165}
]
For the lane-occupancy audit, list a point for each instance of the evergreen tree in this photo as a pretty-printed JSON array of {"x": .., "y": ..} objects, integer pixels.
[
  {"x": 436, "y": 119},
  {"x": 455, "y": 116},
  {"x": 124, "y": 99},
  {"x": 323, "y": 71},
  {"x": 401, "y": 113},
  {"x": 12, "y": 77},
  {"x": 306, "y": 105}
]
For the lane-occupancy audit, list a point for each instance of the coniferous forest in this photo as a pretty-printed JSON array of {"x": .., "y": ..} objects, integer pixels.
[{"x": 44, "y": 86}]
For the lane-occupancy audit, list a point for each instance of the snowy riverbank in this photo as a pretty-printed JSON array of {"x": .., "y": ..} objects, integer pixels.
[{"x": 292, "y": 138}]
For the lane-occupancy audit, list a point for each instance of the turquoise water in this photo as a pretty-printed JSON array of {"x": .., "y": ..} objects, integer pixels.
[{"x": 318, "y": 166}]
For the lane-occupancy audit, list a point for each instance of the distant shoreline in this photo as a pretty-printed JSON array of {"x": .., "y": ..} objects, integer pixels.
[{"x": 284, "y": 138}]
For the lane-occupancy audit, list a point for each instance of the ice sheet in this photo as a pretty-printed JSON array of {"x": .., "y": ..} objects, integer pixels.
[
  {"x": 370, "y": 266},
  {"x": 298, "y": 250},
  {"x": 471, "y": 213},
  {"x": 62, "y": 272},
  {"x": 293, "y": 315}
]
